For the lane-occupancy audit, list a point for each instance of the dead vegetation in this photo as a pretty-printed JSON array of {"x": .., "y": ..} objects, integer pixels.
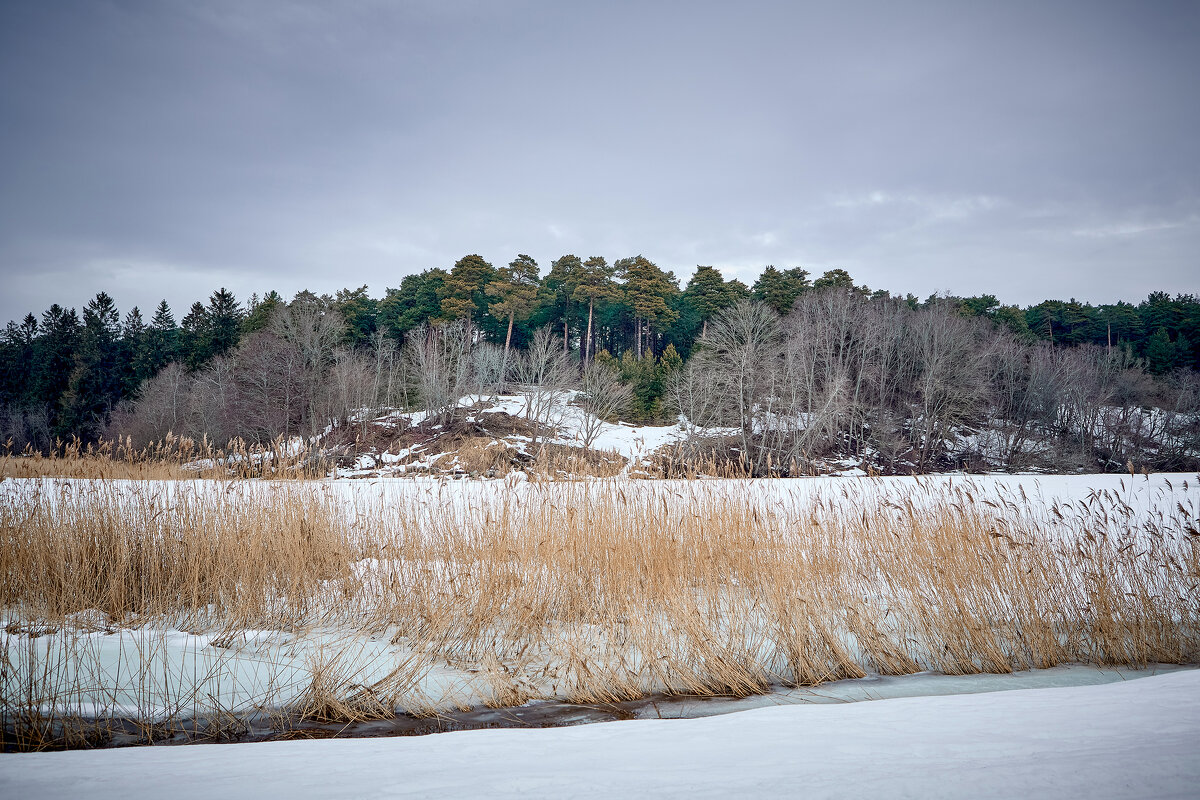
[
  {"x": 598, "y": 591},
  {"x": 170, "y": 458}
]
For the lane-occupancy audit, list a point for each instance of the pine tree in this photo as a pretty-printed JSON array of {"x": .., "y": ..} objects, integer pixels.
[
  {"x": 648, "y": 292},
  {"x": 1160, "y": 352},
  {"x": 193, "y": 337},
  {"x": 557, "y": 292},
  {"x": 513, "y": 294},
  {"x": 133, "y": 352},
  {"x": 780, "y": 288},
  {"x": 96, "y": 380},
  {"x": 595, "y": 283},
  {"x": 464, "y": 293},
  {"x": 224, "y": 322},
  {"x": 415, "y": 303},
  {"x": 162, "y": 340},
  {"x": 670, "y": 361},
  {"x": 707, "y": 293},
  {"x": 360, "y": 313},
  {"x": 17, "y": 362},
  {"x": 834, "y": 279},
  {"x": 54, "y": 356},
  {"x": 259, "y": 312}
]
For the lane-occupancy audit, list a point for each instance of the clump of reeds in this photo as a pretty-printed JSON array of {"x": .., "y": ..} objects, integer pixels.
[
  {"x": 171, "y": 458},
  {"x": 189, "y": 550},
  {"x": 607, "y": 590}
]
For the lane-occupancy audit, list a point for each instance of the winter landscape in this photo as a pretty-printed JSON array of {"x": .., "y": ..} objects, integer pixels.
[{"x": 528, "y": 399}]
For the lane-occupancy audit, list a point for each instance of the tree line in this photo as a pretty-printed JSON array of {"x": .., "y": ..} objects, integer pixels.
[{"x": 269, "y": 366}]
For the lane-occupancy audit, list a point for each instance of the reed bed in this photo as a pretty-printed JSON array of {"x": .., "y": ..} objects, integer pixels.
[
  {"x": 593, "y": 591},
  {"x": 171, "y": 458}
]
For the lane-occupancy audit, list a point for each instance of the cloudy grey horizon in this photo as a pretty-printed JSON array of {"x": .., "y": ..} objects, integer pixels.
[{"x": 1026, "y": 150}]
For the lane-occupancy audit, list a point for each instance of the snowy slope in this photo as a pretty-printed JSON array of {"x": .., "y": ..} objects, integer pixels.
[{"x": 1122, "y": 740}]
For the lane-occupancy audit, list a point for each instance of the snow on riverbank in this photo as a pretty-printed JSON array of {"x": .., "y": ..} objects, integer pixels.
[
  {"x": 1172, "y": 500},
  {"x": 1121, "y": 740},
  {"x": 1159, "y": 491}
]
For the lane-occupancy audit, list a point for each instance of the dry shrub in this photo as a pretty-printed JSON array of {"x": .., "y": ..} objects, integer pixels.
[
  {"x": 556, "y": 461},
  {"x": 477, "y": 454}
]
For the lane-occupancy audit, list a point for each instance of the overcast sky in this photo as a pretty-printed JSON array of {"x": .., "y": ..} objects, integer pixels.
[{"x": 164, "y": 149}]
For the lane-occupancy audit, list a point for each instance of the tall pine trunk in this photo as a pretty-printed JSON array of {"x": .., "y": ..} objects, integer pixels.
[
  {"x": 587, "y": 342},
  {"x": 507, "y": 344}
]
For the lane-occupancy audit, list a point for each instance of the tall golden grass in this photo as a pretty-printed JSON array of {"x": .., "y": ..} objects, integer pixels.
[
  {"x": 171, "y": 458},
  {"x": 608, "y": 590}
]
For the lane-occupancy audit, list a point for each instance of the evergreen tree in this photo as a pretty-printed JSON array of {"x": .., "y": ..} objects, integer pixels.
[
  {"x": 513, "y": 294},
  {"x": 984, "y": 305},
  {"x": 670, "y": 361},
  {"x": 648, "y": 293},
  {"x": 1013, "y": 318},
  {"x": 595, "y": 283},
  {"x": 259, "y": 312},
  {"x": 17, "y": 362},
  {"x": 96, "y": 380},
  {"x": 414, "y": 303},
  {"x": 557, "y": 294},
  {"x": 224, "y": 322},
  {"x": 162, "y": 340},
  {"x": 707, "y": 293},
  {"x": 780, "y": 288},
  {"x": 132, "y": 352},
  {"x": 194, "y": 339},
  {"x": 1158, "y": 311},
  {"x": 54, "y": 357},
  {"x": 644, "y": 376},
  {"x": 835, "y": 279},
  {"x": 1160, "y": 352},
  {"x": 1119, "y": 324},
  {"x": 360, "y": 313},
  {"x": 464, "y": 293}
]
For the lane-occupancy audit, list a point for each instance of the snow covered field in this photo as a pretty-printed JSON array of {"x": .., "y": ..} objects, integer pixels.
[{"x": 1135, "y": 739}]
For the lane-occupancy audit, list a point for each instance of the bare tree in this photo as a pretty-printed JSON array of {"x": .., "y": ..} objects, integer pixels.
[
  {"x": 213, "y": 401},
  {"x": 315, "y": 329},
  {"x": 743, "y": 344},
  {"x": 271, "y": 388},
  {"x": 22, "y": 427},
  {"x": 946, "y": 359},
  {"x": 488, "y": 362},
  {"x": 604, "y": 398},
  {"x": 545, "y": 374},
  {"x": 437, "y": 360}
]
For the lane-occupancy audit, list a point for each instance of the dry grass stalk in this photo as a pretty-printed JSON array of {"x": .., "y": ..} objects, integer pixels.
[
  {"x": 608, "y": 590},
  {"x": 172, "y": 458}
]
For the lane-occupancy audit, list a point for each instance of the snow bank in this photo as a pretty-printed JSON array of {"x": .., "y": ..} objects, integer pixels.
[{"x": 1122, "y": 740}]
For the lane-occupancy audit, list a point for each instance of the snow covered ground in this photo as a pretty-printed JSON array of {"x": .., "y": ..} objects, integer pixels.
[
  {"x": 1135, "y": 739},
  {"x": 1146, "y": 495}
]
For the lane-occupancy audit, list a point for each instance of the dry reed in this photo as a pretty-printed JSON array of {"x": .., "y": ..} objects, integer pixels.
[
  {"x": 609, "y": 590},
  {"x": 171, "y": 458}
]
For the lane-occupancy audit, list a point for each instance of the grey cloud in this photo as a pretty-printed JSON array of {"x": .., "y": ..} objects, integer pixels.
[{"x": 164, "y": 149}]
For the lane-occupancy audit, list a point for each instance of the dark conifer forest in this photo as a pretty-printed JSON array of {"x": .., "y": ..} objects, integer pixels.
[{"x": 863, "y": 371}]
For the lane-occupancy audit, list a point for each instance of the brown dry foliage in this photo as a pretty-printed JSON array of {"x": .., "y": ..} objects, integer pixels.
[{"x": 608, "y": 590}]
